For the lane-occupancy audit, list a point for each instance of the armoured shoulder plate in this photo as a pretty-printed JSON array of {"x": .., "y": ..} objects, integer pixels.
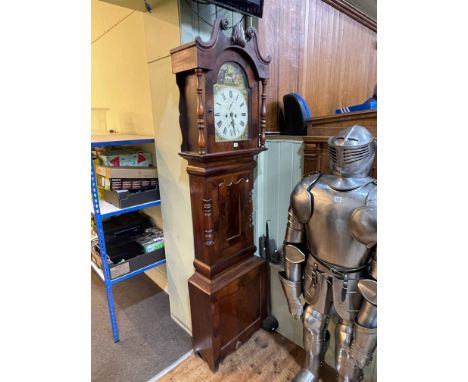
[{"x": 302, "y": 202}]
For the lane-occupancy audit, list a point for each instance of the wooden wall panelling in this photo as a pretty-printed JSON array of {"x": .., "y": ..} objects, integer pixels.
[
  {"x": 282, "y": 32},
  {"x": 367, "y": 118},
  {"x": 318, "y": 51},
  {"x": 341, "y": 60},
  {"x": 269, "y": 28},
  {"x": 290, "y": 44}
]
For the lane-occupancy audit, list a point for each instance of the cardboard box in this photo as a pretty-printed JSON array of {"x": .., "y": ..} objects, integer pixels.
[
  {"x": 131, "y": 184},
  {"x": 128, "y": 157},
  {"x": 127, "y": 172}
]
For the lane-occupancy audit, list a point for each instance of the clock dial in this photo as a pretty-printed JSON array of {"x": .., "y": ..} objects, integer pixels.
[
  {"x": 230, "y": 114},
  {"x": 231, "y": 104}
]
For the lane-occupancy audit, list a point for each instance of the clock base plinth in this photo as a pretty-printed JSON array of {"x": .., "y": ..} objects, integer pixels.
[{"x": 227, "y": 309}]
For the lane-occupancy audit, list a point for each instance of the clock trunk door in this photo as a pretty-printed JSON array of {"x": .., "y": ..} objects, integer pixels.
[{"x": 232, "y": 204}]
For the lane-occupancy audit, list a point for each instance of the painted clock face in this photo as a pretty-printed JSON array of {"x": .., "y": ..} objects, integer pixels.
[{"x": 231, "y": 104}]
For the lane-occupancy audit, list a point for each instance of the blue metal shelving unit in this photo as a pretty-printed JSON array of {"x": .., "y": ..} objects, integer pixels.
[{"x": 101, "y": 209}]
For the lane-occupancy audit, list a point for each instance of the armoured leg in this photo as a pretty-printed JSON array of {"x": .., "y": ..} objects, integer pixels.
[
  {"x": 364, "y": 339},
  {"x": 360, "y": 354},
  {"x": 343, "y": 338},
  {"x": 315, "y": 323},
  {"x": 314, "y": 343}
]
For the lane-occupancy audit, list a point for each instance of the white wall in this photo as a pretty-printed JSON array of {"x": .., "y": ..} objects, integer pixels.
[
  {"x": 162, "y": 34},
  {"x": 119, "y": 74}
]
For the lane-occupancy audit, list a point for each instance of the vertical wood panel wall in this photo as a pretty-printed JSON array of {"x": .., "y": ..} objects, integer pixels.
[{"x": 319, "y": 52}]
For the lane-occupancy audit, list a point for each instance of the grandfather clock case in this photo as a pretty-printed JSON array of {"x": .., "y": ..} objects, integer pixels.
[{"x": 228, "y": 288}]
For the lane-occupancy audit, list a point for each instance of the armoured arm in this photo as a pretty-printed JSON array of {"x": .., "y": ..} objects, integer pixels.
[
  {"x": 365, "y": 327},
  {"x": 364, "y": 228},
  {"x": 299, "y": 212},
  {"x": 294, "y": 259},
  {"x": 363, "y": 223}
]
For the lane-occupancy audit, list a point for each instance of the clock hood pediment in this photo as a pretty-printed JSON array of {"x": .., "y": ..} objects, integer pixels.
[{"x": 200, "y": 54}]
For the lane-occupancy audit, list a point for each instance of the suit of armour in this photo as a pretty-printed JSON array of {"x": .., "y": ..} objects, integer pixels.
[{"x": 330, "y": 252}]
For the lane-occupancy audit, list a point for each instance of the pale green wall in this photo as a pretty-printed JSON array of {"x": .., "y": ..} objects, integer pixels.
[{"x": 278, "y": 170}]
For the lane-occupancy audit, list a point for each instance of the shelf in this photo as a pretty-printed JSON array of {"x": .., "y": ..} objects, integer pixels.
[
  {"x": 101, "y": 140},
  {"x": 128, "y": 275},
  {"x": 108, "y": 210}
]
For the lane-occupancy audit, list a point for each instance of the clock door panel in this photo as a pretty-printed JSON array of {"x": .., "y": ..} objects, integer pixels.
[{"x": 231, "y": 197}]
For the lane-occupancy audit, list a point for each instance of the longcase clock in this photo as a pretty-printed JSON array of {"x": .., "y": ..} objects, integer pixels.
[{"x": 222, "y": 107}]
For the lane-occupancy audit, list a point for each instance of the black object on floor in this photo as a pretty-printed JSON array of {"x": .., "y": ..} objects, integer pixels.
[
  {"x": 270, "y": 323},
  {"x": 150, "y": 340}
]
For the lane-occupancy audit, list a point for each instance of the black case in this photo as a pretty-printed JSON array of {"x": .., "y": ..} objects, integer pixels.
[
  {"x": 124, "y": 198},
  {"x": 133, "y": 264}
]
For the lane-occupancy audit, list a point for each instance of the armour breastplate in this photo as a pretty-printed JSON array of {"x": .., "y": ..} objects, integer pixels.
[{"x": 328, "y": 233}]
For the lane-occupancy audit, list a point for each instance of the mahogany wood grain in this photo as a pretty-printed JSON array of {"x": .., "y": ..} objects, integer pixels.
[{"x": 227, "y": 290}]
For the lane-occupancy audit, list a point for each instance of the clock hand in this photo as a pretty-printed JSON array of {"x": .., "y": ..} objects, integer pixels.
[{"x": 233, "y": 125}]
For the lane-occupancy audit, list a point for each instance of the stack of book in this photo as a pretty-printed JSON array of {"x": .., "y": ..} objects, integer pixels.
[{"x": 126, "y": 177}]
